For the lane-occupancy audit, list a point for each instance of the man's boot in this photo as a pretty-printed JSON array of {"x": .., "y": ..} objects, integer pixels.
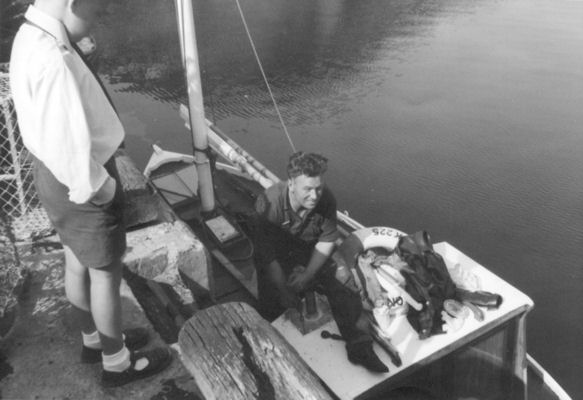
[{"x": 363, "y": 354}]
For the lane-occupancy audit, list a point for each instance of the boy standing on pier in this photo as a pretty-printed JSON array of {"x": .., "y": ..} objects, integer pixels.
[{"x": 70, "y": 126}]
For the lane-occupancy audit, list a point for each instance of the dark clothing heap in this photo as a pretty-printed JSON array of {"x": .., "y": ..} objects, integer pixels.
[{"x": 428, "y": 281}]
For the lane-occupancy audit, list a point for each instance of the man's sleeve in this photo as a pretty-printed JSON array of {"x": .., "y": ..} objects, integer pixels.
[
  {"x": 64, "y": 132},
  {"x": 330, "y": 223},
  {"x": 264, "y": 246}
]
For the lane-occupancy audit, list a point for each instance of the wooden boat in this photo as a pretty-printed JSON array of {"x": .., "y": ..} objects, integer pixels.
[
  {"x": 483, "y": 360},
  {"x": 174, "y": 176}
]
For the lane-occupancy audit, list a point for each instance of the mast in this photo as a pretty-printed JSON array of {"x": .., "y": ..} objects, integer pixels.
[{"x": 187, "y": 34}]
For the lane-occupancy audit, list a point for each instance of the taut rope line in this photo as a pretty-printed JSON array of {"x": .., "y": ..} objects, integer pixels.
[{"x": 264, "y": 77}]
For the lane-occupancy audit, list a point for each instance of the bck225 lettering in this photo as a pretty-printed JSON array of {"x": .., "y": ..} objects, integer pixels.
[{"x": 385, "y": 232}]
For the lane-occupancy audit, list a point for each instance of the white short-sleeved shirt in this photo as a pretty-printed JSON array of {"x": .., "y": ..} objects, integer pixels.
[{"x": 64, "y": 116}]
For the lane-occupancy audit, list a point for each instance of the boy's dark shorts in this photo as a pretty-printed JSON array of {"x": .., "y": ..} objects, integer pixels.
[{"x": 95, "y": 234}]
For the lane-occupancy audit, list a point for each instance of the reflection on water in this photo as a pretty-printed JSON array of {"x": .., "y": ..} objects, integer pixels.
[
  {"x": 310, "y": 50},
  {"x": 459, "y": 117},
  {"x": 142, "y": 51}
]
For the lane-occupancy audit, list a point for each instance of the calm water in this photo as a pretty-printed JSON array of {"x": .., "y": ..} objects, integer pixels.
[{"x": 460, "y": 117}]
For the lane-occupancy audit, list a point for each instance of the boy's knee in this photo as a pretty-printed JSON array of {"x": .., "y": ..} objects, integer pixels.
[
  {"x": 111, "y": 271},
  {"x": 72, "y": 263}
]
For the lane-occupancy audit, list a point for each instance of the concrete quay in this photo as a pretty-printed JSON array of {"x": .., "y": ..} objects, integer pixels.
[{"x": 39, "y": 358}]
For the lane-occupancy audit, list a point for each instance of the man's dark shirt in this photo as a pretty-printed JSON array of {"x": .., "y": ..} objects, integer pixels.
[{"x": 282, "y": 229}]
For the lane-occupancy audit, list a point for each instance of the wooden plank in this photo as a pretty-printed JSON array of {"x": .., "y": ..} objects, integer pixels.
[
  {"x": 233, "y": 353},
  {"x": 519, "y": 357},
  {"x": 172, "y": 309},
  {"x": 133, "y": 179},
  {"x": 142, "y": 205},
  {"x": 250, "y": 284}
]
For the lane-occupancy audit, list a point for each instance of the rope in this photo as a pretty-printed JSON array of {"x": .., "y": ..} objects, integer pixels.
[{"x": 264, "y": 77}]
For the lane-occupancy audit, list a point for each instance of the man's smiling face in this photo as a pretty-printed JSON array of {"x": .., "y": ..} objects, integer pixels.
[{"x": 305, "y": 191}]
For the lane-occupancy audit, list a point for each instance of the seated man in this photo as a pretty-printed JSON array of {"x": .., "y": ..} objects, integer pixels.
[{"x": 297, "y": 228}]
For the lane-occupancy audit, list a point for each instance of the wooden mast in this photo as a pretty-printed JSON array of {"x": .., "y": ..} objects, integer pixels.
[{"x": 187, "y": 34}]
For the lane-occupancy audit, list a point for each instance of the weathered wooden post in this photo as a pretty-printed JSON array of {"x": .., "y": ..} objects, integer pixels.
[
  {"x": 234, "y": 354},
  {"x": 142, "y": 206}
]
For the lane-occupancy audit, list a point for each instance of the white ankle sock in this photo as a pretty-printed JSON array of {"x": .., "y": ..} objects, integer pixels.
[
  {"x": 91, "y": 340},
  {"x": 117, "y": 362}
]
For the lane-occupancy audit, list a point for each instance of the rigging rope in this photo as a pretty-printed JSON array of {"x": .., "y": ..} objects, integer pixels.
[{"x": 264, "y": 77}]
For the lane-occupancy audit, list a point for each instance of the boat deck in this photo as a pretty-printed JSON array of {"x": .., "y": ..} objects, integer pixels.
[{"x": 237, "y": 197}]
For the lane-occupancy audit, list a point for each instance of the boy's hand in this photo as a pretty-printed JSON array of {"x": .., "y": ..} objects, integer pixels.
[{"x": 105, "y": 193}]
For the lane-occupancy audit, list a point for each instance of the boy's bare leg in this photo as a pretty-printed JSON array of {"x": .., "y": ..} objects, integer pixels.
[
  {"x": 95, "y": 297},
  {"x": 77, "y": 290},
  {"x": 106, "y": 305}
]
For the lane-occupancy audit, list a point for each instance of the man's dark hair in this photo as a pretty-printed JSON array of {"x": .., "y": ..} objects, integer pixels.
[{"x": 309, "y": 164}]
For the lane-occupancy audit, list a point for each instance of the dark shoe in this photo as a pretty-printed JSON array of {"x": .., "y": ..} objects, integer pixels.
[
  {"x": 364, "y": 355},
  {"x": 158, "y": 359},
  {"x": 134, "y": 339},
  {"x": 479, "y": 298}
]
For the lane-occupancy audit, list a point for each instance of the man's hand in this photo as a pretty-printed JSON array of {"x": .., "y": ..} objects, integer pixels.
[{"x": 300, "y": 279}]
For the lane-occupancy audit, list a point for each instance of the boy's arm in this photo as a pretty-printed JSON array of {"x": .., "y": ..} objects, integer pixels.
[
  {"x": 106, "y": 192},
  {"x": 65, "y": 135}
]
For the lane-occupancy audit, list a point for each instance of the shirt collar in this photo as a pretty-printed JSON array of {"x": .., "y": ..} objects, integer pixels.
[
  {"x": 49, "y": 24},
  {"x": 287, "y": 205},
  {"x": 288, "y": 211}
]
